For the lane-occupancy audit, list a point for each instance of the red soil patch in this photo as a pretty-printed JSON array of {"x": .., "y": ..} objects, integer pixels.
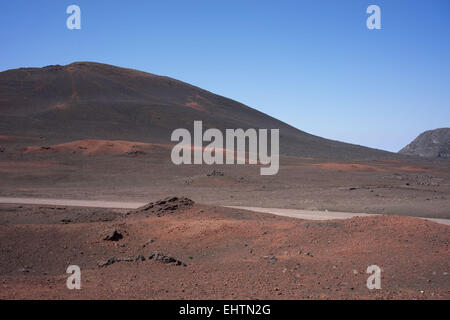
[
  {"x": 347, "y": 167},
  {"x": 97, "y": 147},
  {"x": 7, "y": 138},
  {"x": 391, "y": 161},
  {"x": 414, "y": 168},
  {"x": 195, "y": 105},
  {"x": 363, "y": 167},
  {"x": 20, "y": 166}
]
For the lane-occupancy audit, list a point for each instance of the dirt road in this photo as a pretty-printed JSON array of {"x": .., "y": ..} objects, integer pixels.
[
  {"x": 293, "y": 213},
  {"x": 321, "y": 215},
  {"x": 72, "y": 203}
]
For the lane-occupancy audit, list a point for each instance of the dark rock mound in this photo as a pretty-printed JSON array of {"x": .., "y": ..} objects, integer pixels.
[
  {"x": 110, "y": 261},
  {"x": 156, "y": 256},
  {"x": 113, "y": 236},
  {"x": 165, "y": 206},
  {"x": 163, "y": 258}
]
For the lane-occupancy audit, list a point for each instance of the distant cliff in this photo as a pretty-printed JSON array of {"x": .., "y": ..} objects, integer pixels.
[{"x": 430, "y": 144}]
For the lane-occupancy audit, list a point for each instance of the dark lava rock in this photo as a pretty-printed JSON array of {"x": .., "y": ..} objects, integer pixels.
[
  {"x": 113, "y": 260},
  {"x": 156, "y": 256},
  {"x": 164, "y": 206},
  {"x": 271, "y": 259},
  {"x": 137, "y": 153},
  {"x": 215, "y": 173},
  {"x": 113, "y": 236},
  {"x": 163, "y": 258}
]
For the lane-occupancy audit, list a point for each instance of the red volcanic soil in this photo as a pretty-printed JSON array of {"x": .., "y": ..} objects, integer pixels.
[
  {"x": 97, "y": 147},
  {"x": 415, "y": 169},
  {"x": 335, "y": 166},
  {"x": 7, "y": 138},
  {"x": 20, "y": 166},
  {"x": 346, "y": 167},
  {"x": 173, "y": 249},
  {"x": 195, "y": 105}
]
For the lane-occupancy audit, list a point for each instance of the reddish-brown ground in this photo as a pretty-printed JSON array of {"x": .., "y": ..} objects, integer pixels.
[
  {"x": 135, "y": 171},
  {"x": 24, "y": 166},
  {"x": 96, "y": 147},
  {"x": 228, "y": 254},
  {"x": 347, "y": 166},
  {"x": 91, "y": 131}
]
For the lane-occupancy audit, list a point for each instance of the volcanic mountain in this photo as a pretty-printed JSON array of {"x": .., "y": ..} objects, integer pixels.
[
  {"x": 86, "y": 100},
  {"x": 430, "y": 144}
]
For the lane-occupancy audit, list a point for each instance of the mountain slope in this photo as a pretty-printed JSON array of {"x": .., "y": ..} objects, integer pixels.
[
  {"x": 430, "y": 144},
  {"x": 86, "y": 100}
]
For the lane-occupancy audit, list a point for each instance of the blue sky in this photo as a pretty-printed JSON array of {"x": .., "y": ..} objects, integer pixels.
[{"x": 313, "y": 64}]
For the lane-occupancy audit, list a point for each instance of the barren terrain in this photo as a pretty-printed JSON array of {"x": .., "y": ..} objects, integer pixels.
[
  {"x": 92, "y": 132},
  {"x": 179, "y": 250},
  {"x": 113, "y": 171}
]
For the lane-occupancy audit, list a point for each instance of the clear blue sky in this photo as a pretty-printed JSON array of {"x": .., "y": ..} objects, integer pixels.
[{"x": 312, "y": 64}]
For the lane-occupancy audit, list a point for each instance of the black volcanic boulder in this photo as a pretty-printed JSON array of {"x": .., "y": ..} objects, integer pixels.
[{"x": 113, "y": 235}]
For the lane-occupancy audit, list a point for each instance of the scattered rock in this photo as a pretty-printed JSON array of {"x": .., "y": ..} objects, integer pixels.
[
  {"x": 25, "y": 270},
  {"x": 161, "y": 257},
  {"x": 113, "y": 260},
  {"x": 137, "y": 153},
  {"x": 271, "y": 259},
  {"x": 113, "y": 236},
  {"x": 148, "y": 242},
  {"x": 156, "y": 256},
  {"x": 215, "y": 173}
]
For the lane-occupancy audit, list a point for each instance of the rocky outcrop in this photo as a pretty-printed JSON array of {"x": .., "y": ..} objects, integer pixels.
[{"x": 430, "y": 144}]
